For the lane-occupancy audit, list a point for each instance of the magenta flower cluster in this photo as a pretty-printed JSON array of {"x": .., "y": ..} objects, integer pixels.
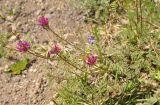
[
  {"x": 55, "y": 49},
  {"x": 23, "y": 46},
  {"x": 43, "y": 21},
  {"x": 91, "y": 60}
]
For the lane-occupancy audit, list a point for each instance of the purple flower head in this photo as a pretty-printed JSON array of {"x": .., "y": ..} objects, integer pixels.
[
  {"x": 43, "y": 21},
  {"x": 55, "y": 49},
  {"x": 91, "y": 39},
  {"x": 23, "y": 46},
  {"x": 91, "y": 60}
]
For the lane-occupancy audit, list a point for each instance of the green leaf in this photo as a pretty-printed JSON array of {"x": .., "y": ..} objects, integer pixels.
[
  {"x": 3, "y": 39},
  {"x": 18, "y": 67},
  {"x": 2, "y": 52}
]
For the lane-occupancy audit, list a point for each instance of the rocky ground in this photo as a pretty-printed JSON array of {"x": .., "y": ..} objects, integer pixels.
[{"x": 32, "y": 87}]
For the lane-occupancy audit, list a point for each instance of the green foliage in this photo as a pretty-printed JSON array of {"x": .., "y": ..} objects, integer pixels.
[
  {"x": 84, "y": 92},
  {"x": 129, "y": 72},
  {"x": 18, "y": 67},
  {"x": 2, "y": 52},
  {"x": 3, "y": 39},
  {"x": 97, "y": 11}
]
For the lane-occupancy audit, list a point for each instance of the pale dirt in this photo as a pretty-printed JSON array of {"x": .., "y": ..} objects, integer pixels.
[{"x": 31, "y": 88}]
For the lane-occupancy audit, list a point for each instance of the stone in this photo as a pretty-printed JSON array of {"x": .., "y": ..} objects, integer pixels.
[
  {"x": 51, "y": 103},
  {"x": 12, "y": 38}
]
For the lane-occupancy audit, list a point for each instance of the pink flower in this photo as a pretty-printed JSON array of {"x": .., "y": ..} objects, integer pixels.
[
  {"x": 91, "y": 60},
  {"x": 43, "y": 21},
  {"x": 23, "y": 46},
  {"x": 55, "y": 49}
]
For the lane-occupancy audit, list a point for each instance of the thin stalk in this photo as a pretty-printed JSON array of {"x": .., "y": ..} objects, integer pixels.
[
  {"x": 2, "y": 17},
  {"x": 39, "y": 55},
  {"x": 64, "y": 59},
  {"x": 93, "y": 100},
  {"x": 137, "y": 10},
  {"x": 30, "y": 52},
  {"x": 44, "y": 57},
  {"x": 154, "y": 25},
  {"x": 99, "y": 51},
  {"x": 141, "y": 18},
  {"x": 137, "y": 15},
  {"x": 57, "y": 35},
  {"x": 54, "y": 102},
  {"x": 53, "y": 59},
  {"x": 49, "y": 37}
]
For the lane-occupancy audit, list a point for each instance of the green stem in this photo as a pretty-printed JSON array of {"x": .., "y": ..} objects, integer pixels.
[
  {"x": 100, "y": 52},
  {"x": 44, "y": 57},
  {"x": 141, "y": 18},
  {"x": 57, "y": 35},
  {"x": 54, "y": 102},
  {"x": 2, "y": 17},
  {"x": 38, "y": 55},
  {"x": 64, "y": 59},
  {"x": 137, "y": 15}
]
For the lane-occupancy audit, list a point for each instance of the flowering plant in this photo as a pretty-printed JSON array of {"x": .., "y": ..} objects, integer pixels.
[
  {"x": 106, "y": 69},
  {"x": 23, "y": 46}
]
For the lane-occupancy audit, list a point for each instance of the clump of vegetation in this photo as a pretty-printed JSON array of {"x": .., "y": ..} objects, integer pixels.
[
  {"x": 129, "y": 72},
  {"x": 99, "y": 11}
]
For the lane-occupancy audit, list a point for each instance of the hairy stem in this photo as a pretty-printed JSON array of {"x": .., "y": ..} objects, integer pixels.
[
  {"x": 44, "y": 57},
  {"x": 58, "y": 36}
]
